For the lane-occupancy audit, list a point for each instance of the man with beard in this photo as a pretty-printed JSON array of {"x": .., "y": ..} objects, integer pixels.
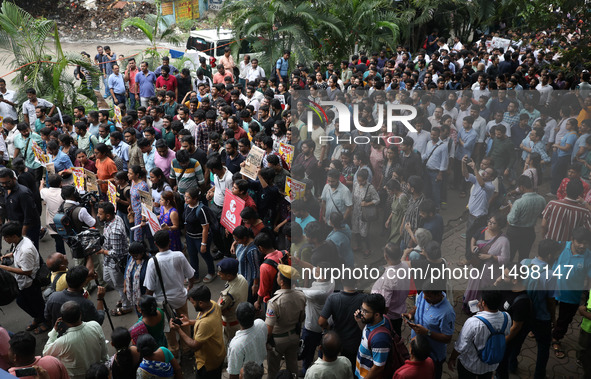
[{"x": 208, "y": 338}]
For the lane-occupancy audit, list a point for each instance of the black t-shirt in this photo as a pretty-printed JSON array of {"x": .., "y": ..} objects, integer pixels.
[
  {"x": 200, "y": 156},
  {"x": 194, "y": 221},
  {"x": 519, "y": 310},
  {"x": 342, "y": 306},
  {"x": 184, "y": 85}
]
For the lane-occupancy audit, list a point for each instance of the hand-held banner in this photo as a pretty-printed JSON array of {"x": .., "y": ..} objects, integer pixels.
[{"x": 233, "y": 205}]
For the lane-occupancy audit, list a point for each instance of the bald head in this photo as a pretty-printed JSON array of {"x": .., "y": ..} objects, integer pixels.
[
  {"x": 481, "y": 66},
  {"x": 57, "y": 262},
  {"x": 331, "y": 346},
  {"x": 71, "y": 313}
]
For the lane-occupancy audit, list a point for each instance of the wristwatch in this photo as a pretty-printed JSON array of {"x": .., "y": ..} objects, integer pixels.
[{"x": 428, "y": 333}]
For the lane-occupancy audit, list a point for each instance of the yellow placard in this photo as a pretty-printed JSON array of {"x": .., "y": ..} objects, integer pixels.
[{"x": 167, "y": 8}]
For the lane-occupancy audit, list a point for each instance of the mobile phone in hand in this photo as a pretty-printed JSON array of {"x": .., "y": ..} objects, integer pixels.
[{"x": 27, "y": 371}]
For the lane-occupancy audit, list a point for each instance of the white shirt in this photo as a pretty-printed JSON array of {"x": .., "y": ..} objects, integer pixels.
[
  {"x": 545, "y": 92},
  {"x": 190, "y": 126},
  {"x": 493, "y": 123},
  {"x": 53, "y": 199},
  {"x": 79, "y": 348},
  {"x": 29, "y": 109},
  {"x": 175, "y": 268},
  {"x": 244, "y": 69},
  {"x": 220, "y": 186},
  {"x": 83, "y": 215},
  {"x": 8, "y": 110},
  {"x": 254, "y": 102},
  {"x": 10, "y": 140},
  {"x": 479, "y": 126},
  {"x": 474, "y": 334},
  {"x": 247, "y": 345},
  {"x": 26, "y": 258},
  {"x": 420, "y": 139},
  {"x": 316, "y": 296},
  {"x": 255, "y": 73}
]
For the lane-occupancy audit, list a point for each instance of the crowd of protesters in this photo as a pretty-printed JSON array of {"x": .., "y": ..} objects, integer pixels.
[{"x": 494, "y": 125}]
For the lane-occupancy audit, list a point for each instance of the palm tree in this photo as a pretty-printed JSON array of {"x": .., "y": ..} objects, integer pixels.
[
  {"x": 277, "y": 25},
  {"x": 156, "y": 29},
  {"x": 40, "y": 67},
  {"x": 371, "y": 24}
]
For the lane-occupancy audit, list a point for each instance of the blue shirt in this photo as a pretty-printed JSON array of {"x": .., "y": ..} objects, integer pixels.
[
  {"x": 568, "y": 139},
  {"x": 305, "y": 221},
  {"x": 570, "y": 290},
  {"x": 282, "y": 65},
  {"x": 539, "y": 290},
  {"x": 580, "y": 142},
  {"x": 439, "y": 318},
  {"x": 146, "y": 83},
  {"x": 381, "y": 344},
  {"x": 469, "y": 138},
  {"x": 149, "y": 159},
  {"x": 122, "y": 151},
  {"x": 342, "y": 239},
  {"x": 61, "y": 161},
  {"x": 116, "y": 83}
]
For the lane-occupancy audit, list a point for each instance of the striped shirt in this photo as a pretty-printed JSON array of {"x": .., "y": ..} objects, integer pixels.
[
  {"x": 563, "y": 216},
  {"x": 191, "y": 176},
  {"x": 381, "y": 344}
]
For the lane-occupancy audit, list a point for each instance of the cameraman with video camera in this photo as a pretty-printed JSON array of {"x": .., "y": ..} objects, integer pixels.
[{"x": 81, "y": 220}]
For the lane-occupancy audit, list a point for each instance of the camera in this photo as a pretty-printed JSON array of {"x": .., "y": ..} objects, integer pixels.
[{"x": 177, "y": 321}]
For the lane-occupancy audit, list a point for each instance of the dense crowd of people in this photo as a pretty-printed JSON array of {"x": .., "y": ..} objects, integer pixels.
[{"x": 495, "y": 122}]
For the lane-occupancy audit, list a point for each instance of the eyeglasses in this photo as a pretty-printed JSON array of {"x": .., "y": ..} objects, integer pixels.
[
  {"x": 491, "y": 222},
  {"x": 365, "y": 311}
]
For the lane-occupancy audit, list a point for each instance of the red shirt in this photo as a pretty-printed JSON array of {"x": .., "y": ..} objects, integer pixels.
[
  {"x": 561, "y": 194},
  {"x": 54, "y": 367},
  {"x": 416, "y": 370},
  {"x": 240, "y": 133},
  {"x": 268, "y": 275},
  {"x": 170, "y": 83},
  {"x": 563, "y": 216},
  {"x": 249, "y": 202}
]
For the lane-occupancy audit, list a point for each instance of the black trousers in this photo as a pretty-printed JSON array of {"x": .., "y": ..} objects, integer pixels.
[
  {"x": 566, "y": 312},
  {"x": 542, "y": 330},
  {"x": 521, "y": 240},
  {"x": 463, "y": 373},
  {"x": 31, "y": 301}
]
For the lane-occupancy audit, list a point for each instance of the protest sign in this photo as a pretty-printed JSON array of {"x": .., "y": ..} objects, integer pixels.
[
  {"x": 146, "y": 198},
  {"x": 151, "y": 218},
  {"x": 286, "y": 153},
  {"x": 233, "y": 205},
  {"x": 112, "y": 194},
  {"x": 294, "y": 189},
  {"x": 78, "y": 173},
  {"x": 253, "y": 162},
  {"x": 91, "y": 181}
]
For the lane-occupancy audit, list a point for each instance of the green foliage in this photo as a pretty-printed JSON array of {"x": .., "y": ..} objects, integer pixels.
[
  {"x": 157, "y": 29},
  {"x": 46, "y": 68},
  {"x": 186, "y": 25}
]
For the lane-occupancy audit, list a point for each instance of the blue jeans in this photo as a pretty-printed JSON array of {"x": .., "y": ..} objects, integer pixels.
[
  {"x": 194, "y": 249},
  {"x": 120, "y": 98},
  {"x": 106, "y": 83},
  {"x": 311, "y": 341},
  {"x": 132, "y": 100}
]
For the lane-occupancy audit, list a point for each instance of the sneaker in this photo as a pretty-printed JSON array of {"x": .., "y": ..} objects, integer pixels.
[
  {"x": 463, "y": 235},
  {"x": 42, "y": 233},
  {"x": 550, "y": 194},
  {"x": 209, "y": 278}
]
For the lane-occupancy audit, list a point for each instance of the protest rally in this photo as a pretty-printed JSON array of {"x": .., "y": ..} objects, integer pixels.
[{"x": 414, "y": 205}]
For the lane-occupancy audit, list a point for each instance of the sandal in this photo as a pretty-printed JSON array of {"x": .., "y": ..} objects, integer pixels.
[
  {"x": 558, "y": 353},
  {"x": 43, "y": 328},
  {"x": 119, "y": 304},
  {"x": 34, "y": 325},
  {"x": 120, "y": 311}
]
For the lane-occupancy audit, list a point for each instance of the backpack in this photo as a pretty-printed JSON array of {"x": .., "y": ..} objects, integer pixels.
[
  {"x": 272, "y": 263},
  {"x": 398, "y": 352},
  {"x": 51, "y": 289},
  {"x": 494, "y": 348},
  {"x": 8, "y": 288},
  {"x": 66, "y": 222}
]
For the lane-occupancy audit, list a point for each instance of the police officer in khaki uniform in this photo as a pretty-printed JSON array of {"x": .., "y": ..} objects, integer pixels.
[
  {"x": 234, "y": 293},
  {"x": 285, "y": 314}
]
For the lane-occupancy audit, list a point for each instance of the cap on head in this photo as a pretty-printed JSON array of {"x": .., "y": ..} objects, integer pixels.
[
  {"x": 288, "y": 271},
  {"x": 228, "y": 266}
]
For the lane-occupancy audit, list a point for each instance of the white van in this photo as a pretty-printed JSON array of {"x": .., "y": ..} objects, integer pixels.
[{"x": 210, "y": 44}]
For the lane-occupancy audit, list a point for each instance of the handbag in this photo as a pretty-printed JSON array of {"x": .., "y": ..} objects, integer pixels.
[
  {"x": 370, "y": 212},
  {"x": 138, "y": 329},
  {"x": 168, "y": 309}
]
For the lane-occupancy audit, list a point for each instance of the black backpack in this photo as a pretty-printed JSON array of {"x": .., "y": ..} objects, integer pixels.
[
  {"x": 8, "y": 288},
  {"x": 66, "y": 222}
]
